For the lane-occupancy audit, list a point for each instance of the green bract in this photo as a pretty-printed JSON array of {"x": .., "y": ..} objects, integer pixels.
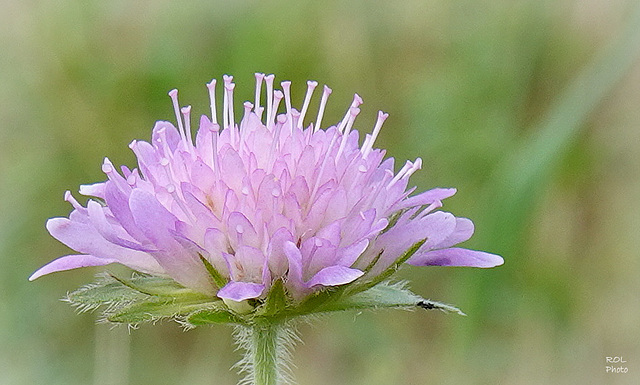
[{"x": 145, "y": 298}]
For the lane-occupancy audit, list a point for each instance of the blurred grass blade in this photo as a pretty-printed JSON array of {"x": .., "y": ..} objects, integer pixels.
[{"x": 521, "y": 178}]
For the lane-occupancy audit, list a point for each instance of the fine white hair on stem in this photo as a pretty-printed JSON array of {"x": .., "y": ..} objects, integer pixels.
[{"x": 246, "y": 340}]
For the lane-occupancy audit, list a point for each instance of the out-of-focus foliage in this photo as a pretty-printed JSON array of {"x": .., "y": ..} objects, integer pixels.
[{"x": 469, "y": 86}]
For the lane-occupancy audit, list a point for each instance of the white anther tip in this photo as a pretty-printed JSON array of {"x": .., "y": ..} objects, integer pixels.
[{"x": 173, "y": 93}]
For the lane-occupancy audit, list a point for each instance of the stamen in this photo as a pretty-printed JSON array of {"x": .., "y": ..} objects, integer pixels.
[
  {"x": 311, "y": 85},
  {"x": 323, "y": 103},
  {"x": 400, "y": 174},
  {"x": 353, "y": 112},
  {"x": 277, "y": 97},
  {"x": 215, "y": 128},
  {"x": 269, "y": 81},
  {"x": 229, "y": 86},
  {"x": 69, "y": 198},
  {"x": 417, "y": 165},
  {"x": 286, "y": 87},
  {"x": 357, "y": 101},
  {"x": 259, "y": 79},
  {"x": 162, "y": 139},
  {"x": 368, "y": 145},
  {"x": 186, "y": 112},
  {"x": 176, "y": 109},
  {"x": 247, "y": 110},
  {"x": 212, "y": 98},
  {"x": 276, "y": 135},
  {"x": 225, "y": 110},
  {"x": 112, "y": 174}
]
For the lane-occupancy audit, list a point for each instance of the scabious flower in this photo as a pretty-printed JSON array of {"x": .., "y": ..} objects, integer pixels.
[{"x": 269, "y": 198}]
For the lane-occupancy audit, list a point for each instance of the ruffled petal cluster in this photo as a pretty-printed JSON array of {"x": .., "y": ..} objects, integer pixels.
[{"x": 268, "y": 198}]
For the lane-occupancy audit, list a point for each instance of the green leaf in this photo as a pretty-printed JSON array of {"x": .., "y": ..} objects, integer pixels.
[{"x": 384, "y": 295}]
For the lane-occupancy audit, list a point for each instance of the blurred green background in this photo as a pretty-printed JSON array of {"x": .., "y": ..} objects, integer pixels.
[{"x": 529, "y": 108}]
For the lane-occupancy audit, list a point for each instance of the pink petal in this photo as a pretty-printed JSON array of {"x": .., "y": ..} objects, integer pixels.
[
  {"x": 427, "y": 197},
  {"x": 239, "y": 291},
  {"x": 69, "y": 262},
  {"x": 463, "y": 231},
  {"x": 456, "y": 257},
  {"x": 334, "y": 276}
]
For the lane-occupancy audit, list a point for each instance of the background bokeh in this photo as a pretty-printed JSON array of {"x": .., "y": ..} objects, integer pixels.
[{"x": 528, "y": 107}]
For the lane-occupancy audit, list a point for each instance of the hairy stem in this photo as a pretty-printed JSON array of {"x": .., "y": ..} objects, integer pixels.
[{"x": 267, "y": 352}]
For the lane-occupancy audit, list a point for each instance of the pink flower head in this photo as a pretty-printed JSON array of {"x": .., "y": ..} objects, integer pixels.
[{"x": 264, "y": 199}]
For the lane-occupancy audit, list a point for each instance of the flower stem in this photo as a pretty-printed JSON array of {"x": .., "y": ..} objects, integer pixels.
[
  {"x": 266, "y": 346},
  {"x": 265, "y": 356}
]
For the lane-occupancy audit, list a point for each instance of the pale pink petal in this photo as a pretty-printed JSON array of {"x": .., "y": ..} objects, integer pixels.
[{"x": 456, "y": 257}]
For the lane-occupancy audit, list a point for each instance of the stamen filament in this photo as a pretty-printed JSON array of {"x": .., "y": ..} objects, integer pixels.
[
  {"x": 212, "y": 98},
  {"x": 176, "y": 109},
  {"x": 311, "y": 86},
  {"x": 323, "y": 103}
]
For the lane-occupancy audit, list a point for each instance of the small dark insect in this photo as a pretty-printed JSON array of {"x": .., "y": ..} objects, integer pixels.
[{"x": 426, "y": 305}]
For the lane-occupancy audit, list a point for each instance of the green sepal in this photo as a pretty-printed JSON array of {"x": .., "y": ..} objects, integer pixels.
[
  {"x": 153, "y": 311},
  {"x": 159, "y": 287},
  {"x": 357, "y": 287},
  {"x": 218, "y": 279},
  {"x": 213, "y": 314},
  {"x": 141, "y": 299},
  {"x": 276, "y": 301},
  {"x": 106, "y": 291},
  {"x": 384, "y": 295}
]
